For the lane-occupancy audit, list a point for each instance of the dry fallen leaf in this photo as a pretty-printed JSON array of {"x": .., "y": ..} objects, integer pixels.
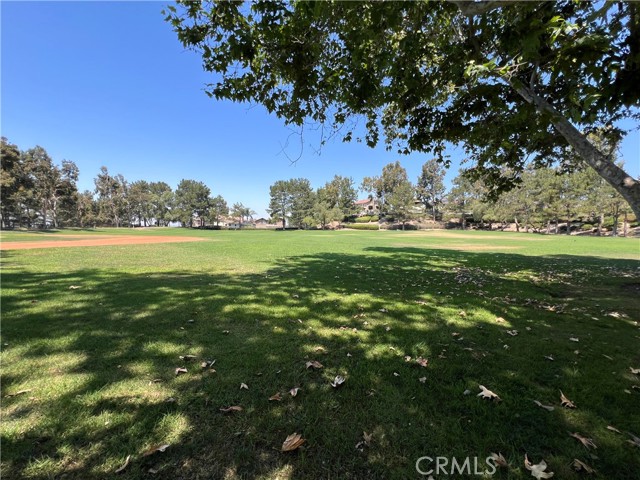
[
  {"x": 75, "y": 287},
  {"x": 499, "y": 460},
  {"x": 275, "y": 397},
  {"x": 180, "y": 370},
  {"x": 20, "y": 392},
  {"x": 513, "y": 333},
  {"x": 613, "y": 429},
  {"x": 244, "y": 386},
  {"x": 500, "y": 320},
  {"x": 537, "y": 470},
  {"x": 635, "y": 371},
  {"x": 549, "y": 357},
  {"x": 486, "y": 393},
  {"x": 292, "y": 442},
  {"x": 565, "y": 402},
  {"x": 423, "y": 362},
  {"x": 635, "y": 441},
  {"x": 546, "y": 407},
  {"x": 574, "y": 339},
  {"x": 422, "y": 379},
  {"x": 314, "y": 364},
  {"x": 126, "y": 464},
  {"x": 294, "y": 391},
  {"x": 581, "y": 466},
  {"x": 587, "y": 442},
  {"x": 339, "y": 380},
  {"x": 154, "y": 449},
  {"x": 187, "y": 358},
  {"x": 407, "y": 358},
  {"x": 234, "y": 408}
]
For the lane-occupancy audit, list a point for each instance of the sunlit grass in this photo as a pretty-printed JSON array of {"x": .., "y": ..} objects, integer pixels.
[{"x": 99, "y": 360}]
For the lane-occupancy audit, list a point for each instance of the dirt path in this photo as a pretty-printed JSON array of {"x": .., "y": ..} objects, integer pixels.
[{"x": 96, "y": 242}]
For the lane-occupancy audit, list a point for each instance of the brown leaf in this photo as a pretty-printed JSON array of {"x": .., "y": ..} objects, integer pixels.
[
  {"x": 232, "y": 409},
  {"x": 126, "y": 464},
  {"x": 581, "y": 466},
  {"x": 294, "y": 391},
  {"x": 486, "y": 393},
  {"x": 244, "y": 386},
  {"x": 546, "y": 407},
  {"x": 180, "y": 370},
  {"x": 19, "y": 392},
  {"x": 155, "y": 448},
  {"x": 587, "y": 442},
  {"x": 276, "y": 397},
  {"x": 499, "y": 460},
  {"x": 565, "y": 402},
  {"x": 367, "y": 437},
  {"x": 314, "y": 364},
  {"x": 292, "y": 442},
  {"x": 423, "y": 362},
  {"x": 635, "y": 441},
  {"x": 339, "y": 380},
  {"x": 537, "y": 470}
]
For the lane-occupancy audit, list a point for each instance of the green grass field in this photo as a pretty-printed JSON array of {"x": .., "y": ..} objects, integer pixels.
[{"x": 96, "y": 363}]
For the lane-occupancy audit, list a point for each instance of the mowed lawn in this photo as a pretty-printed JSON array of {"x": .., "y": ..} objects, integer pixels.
[{"x": 92, "y": 338}]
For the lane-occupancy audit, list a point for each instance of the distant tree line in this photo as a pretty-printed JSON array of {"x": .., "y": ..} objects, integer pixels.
[{"x": 37, "y": 193}]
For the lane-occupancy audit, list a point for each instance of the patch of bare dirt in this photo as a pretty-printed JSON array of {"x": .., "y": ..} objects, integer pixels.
[{"x": 102, "y": 240}]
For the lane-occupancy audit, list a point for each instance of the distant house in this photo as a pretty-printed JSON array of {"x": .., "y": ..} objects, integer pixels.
[{"x": 368, "y": 206}]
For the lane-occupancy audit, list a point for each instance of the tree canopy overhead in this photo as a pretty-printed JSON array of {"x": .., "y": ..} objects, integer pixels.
[{"x": 511, "y": 81}]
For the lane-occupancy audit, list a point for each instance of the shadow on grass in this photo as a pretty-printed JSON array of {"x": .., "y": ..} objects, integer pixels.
[{"x": 101, "y": 360}]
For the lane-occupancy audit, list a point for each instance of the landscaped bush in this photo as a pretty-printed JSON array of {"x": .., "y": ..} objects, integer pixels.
[
  {"x": 367, "y": 219},
  {"x": 362, "y": 226}
]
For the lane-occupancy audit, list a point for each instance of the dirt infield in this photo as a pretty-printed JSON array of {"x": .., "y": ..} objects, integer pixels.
[{"x": 103, "y": 240}]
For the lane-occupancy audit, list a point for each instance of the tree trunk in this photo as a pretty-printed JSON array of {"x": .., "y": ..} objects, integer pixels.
[
  {"x": 622, "y": 182},
  {"x": 515, "y": 219},
  {"x": 625, "y": 225},
  {"x": 600, "y": 222}
]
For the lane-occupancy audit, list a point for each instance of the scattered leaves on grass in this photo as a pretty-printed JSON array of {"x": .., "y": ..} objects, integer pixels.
[
  {"x": 422, "y": 379},
  {"x": 125, "y": 465},
  {"x": 294, "y": 391},
  {"x": 180, "y": 370},
  {"x": 574, "y": 339},
  {"x": 292, "y": 442},
  {"x": 396, "y": 374},
  {"x": 499, "y": 460},
  {"x": 207, "y": 364},
  {"x": 338, "y": 381},
  {"x": 225, "y": 332},
  {"x": 407, "y": 358},
  {"x": 537, "y": 470},
  {"x": 231, "y": 409},
  {"x": 587, "y": 442},
  {"x": 170, "y": 400},
  {"x": 613, "y": 429},
  {"x": 275, "y": 397},
  {"x": 383, "y": 310},
  {"x": 581, "y": 466},
  {"x": 187, "y": 358},
  {"x": 20, "y": 392},
  {"x": 513, "y": 333},
  {"x": 75, "y": 287},
  {"x": 546, "y": 407},
  {"x": 155, "y": 448},
  {"x": 486, "y": 393},
  {"x": 423, "y": 362},
  {"x": 314, "y": 364},
  {"x": 500, "y": 320},
  {"x": 244, "y": 386},
  {"x": 635, "y": 371},
  {"x": 565, "y": 402},
  {"x": 462, "y": 313},
  {"x": 549, "y": 357}
]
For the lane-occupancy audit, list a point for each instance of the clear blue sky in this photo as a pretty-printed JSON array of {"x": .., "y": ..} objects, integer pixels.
[{"x": 108, "y": 83}]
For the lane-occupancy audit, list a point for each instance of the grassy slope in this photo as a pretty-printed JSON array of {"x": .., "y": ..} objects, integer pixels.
[{"x": 100, "y": 359}]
